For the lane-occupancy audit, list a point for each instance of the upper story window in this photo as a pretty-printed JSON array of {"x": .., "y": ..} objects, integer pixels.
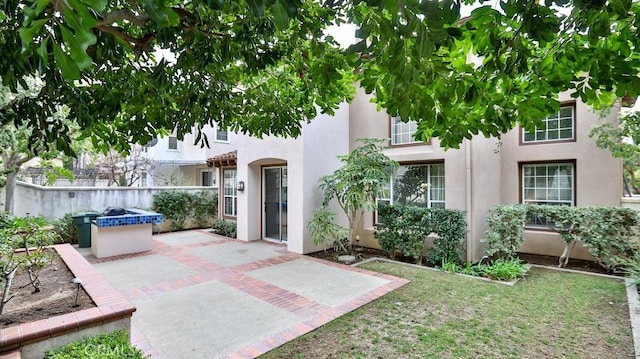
[
  {"x": 173, "y": 142},
  {"x": 402, "y": 133},
  {"x": 222, "y": 135},
  {"x": 560, "y": 126}
]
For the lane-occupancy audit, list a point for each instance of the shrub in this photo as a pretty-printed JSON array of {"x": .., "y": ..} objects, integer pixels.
[
  {"x": 179, "y": 206},
  {"x": 325, "y": 231},
  {"x": 103, "y": 346},
  {"x": 405, "y": 229},
  {"x": 631, "y": 268},
  {"x": 225, "y": 228},
  {"x": 605, "y": 231},
  {"x": 506, "y": 230},
  {"x": 204, "y": 205},
  {"x": 65, "y": 228}
]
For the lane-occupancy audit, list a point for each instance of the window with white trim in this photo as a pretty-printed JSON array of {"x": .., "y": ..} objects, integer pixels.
[
  {"x": 222, "y": 135},
  {"x": 173, "y": 142},
  {"x": 557, "y": 127},
  {"x": 547, "y": 183},
  {"x": 419, "y": 185},
  {"x": 230, "y": 191},
  {"x": 403, "y": 132}
]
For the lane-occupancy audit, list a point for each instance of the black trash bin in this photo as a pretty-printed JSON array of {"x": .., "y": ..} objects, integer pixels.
[{"x": 82, "y": 221}]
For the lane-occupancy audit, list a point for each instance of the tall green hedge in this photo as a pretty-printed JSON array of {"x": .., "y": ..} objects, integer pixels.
[
  {"x": 607, "y": 232},
  {"x": 179, "y": 206},
  {"x": 405, "y": 229}
]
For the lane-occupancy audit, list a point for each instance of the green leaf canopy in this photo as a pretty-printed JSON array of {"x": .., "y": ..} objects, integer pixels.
[{"x": 267, "y": 66}]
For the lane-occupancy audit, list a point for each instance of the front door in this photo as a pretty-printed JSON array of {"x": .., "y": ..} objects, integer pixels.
[{"x": 275, "y": 203}]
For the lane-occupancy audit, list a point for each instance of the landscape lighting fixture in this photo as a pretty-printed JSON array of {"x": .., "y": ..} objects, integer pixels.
[{"x": 77, "y": 282}]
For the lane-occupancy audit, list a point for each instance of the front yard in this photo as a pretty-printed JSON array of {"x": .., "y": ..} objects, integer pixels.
[{"x": 551, "y": 314}]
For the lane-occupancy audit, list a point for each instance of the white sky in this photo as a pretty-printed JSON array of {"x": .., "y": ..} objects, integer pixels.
[{"x": 345, "y": 33}]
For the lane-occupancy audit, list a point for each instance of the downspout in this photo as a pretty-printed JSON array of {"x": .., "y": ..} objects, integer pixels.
[{"x": 471, "y": 249}]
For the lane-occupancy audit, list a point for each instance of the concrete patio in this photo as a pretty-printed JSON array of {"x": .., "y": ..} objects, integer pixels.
[{"x": 199, "y": 295}]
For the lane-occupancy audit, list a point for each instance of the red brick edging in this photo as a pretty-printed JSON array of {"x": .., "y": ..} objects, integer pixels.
[{"x": 110, "y": 306}]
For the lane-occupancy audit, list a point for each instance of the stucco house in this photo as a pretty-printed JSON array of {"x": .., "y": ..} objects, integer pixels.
[{"x": 269, "y": 186}]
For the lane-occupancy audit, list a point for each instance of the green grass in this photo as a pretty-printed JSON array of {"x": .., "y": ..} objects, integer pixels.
[{"x": 550, "y": 314}]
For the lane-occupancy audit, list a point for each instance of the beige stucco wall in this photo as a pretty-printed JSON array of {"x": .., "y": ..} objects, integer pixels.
[
  {"x": 598, "y": 174},
  {"x": 309, "y": 157},
  {"x": 484, "y": 172}
]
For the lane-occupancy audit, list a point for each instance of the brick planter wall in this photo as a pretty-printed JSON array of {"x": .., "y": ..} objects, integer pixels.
[{"x": 112, "y": 312}]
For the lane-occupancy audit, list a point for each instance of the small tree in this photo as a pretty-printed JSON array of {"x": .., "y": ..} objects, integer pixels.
[
  {"x": 124, "y": 169},
  {"x": 623, "y": 141},
  {"x": 365, "y": 173},
  {"x": 32, "y": 236}
]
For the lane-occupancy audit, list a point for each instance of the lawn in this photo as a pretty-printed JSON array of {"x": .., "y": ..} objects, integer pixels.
[{"x": 551, "y": 314}]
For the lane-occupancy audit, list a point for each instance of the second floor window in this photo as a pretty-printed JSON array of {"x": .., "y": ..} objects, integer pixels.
[
  {"x": 557, "y": 127},
  {"x": 222, "y": 135},
  {"x": 173, "y": 142},
  {"x": 402, "y": 132}
]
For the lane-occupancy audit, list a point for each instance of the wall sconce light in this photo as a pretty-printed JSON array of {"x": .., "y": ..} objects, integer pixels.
[{"x": 240, "y": 186}]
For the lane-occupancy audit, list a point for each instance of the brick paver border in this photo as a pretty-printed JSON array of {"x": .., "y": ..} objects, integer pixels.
[
  {"x": 111, "y": 305},
  {"x": 312, "y": 314}
]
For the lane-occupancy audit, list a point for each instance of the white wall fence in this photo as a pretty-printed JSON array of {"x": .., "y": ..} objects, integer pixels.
[
  {"x": 630, "y": 202},
  {"x": 54, "y": 202}
]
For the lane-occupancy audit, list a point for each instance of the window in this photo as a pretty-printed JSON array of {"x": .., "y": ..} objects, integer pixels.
[
  {"x": 173, "y": 142},
  {"x": 230, "y": 193},
  {"x": 547, "y": 183},
  {"x": 208, "y": 178},
  {"x": 557, "y": 127},
  {"x": 419, "y": 185},
  {"x": 222, "y": 135},
  {"x": 416, "y": 185},
  {"x": 402, "y": 132},
  {"x": 383, "y": 199}
]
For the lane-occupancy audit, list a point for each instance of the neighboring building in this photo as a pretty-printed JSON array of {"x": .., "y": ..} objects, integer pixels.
[
  {"x": 269, "y": 186},
  {"x": 183, "y": 163}
]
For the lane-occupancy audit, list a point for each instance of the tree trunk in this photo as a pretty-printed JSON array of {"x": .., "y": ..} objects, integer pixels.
[
  {"x": 9, "y": 192},
  {"x": 564, "y": 258},
  {"x": 7, "y": 287}
]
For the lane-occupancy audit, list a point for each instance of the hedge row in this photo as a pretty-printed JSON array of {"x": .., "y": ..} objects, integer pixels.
[{"x": 405, "y": 229}]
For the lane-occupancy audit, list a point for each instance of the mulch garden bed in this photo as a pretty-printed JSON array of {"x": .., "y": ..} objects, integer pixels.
[
  {"x": 56, "y": 296},
  {"x": 362, "y": 253}
]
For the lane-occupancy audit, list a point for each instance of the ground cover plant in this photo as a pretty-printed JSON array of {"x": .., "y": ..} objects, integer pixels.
[
  {"x": 551, "y": 314},
  {"x": 103, "y": 346}
]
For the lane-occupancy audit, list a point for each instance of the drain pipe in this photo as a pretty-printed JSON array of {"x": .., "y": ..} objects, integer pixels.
[{"x": 471, "y": 225}]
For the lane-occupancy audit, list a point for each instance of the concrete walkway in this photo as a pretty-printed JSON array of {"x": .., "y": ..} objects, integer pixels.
[{"x": 199, "y": 295}]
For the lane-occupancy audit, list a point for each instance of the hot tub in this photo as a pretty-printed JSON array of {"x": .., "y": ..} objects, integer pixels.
[{"x": 123, "y": 234}]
